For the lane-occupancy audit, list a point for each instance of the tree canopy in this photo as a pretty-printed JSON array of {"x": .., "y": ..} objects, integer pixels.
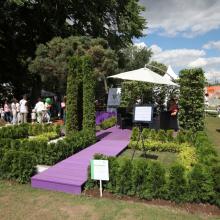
[
  {"x": 26, "y": 23},
  {"x": 52, "y": 58}
]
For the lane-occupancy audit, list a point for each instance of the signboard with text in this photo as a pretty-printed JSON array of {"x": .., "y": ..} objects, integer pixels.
[
  {"x": 99, "y": 170},
  {"x": 143, "y": 114}
]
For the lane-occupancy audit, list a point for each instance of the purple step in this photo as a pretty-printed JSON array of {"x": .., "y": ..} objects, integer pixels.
[{"x": 70, "y": 174}]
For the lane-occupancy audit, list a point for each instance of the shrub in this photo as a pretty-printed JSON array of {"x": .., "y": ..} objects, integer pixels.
[
  {"x": 177, "y": 184},
  {"x": 14, "y": 132},
  {"x": 108, "y": 123},
  {"x": 139, "y": 171},
  {"x": 191, "y": 101},
  {"x": 74, "y": 67},
  {"x": 154, "y": 181},
  {"x": 135, "y": 134},
  {"x": 123, "y": 183},
  {"x": 88, "y": 94},
  {"x": 201, "y": 184},
  {"x": 17, "y": 165},
  {"x": 187, "y": 157}
]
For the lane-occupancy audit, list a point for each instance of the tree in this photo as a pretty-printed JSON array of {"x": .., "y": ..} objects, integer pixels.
[
  {"x": 88, "y": 94},
  {"x": 52, "y": 59},
  {"x": 191, "y": 100},
  {"x": 72, "y": 94},
  {"x": 24, "y": 24}
]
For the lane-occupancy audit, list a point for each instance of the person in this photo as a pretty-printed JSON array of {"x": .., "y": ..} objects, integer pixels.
[
  {"x": 15, "y": 110},
  {"x": 33, "y": 116},
  {"x": 173, "y": 113},
  {"x": 48, "y": 105},
  {"x": 63, "y": 108},
  {"x": 23, "y": 109},
  {"x": 39, "y": 109},
  {"x": 7, "y": 112},
  {"x": 2, "y": 113}
]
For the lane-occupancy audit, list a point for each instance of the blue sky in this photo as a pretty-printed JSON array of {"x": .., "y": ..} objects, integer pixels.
[{"x": 184, "y": 34}]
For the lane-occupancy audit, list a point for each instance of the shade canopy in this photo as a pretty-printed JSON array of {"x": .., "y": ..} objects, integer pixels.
[
  {"x": 144, "y": 75},
  {"x": 170, "y": 74}
]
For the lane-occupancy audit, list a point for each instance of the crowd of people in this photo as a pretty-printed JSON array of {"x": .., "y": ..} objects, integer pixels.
[{"x": 16, "y": 112}]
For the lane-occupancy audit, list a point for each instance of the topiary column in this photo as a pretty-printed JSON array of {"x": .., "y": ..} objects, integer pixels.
[
  {"x": 72, "y": 94},
  {"x": 191, "y": 101},
  {"x": 88, "y": 94}
]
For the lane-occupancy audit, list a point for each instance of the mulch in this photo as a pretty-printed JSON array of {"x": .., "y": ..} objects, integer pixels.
[{"x": 192, "y": 208}]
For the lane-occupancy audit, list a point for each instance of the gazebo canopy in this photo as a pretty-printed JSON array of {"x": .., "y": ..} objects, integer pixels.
[{"x": 144, "y": 75}]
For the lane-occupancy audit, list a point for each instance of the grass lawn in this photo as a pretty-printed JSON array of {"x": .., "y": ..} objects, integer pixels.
[
  {"x": 165, "y": 158},
  {"x": 213, "y": 123},
  {"x": 23, "y": 202}
]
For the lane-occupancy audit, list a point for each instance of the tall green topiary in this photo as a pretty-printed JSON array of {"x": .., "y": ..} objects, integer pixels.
[
  {"x": 88, "y": 94},
  {"x": 191, "y": 102},
  {"x": 72, "y": 94}
]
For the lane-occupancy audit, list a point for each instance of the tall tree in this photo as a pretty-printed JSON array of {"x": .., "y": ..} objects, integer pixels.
[
  {"x": 51, "y": 59},
  {"x": 88, "y": 94},
  {"x": 74, "y": 69},
  {"x": 24, "y": 24}
]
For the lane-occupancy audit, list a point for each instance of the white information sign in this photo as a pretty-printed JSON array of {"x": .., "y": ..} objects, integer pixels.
[
  {"x": 99, "y": 170},
  {"x": 114, "y": 97},
  {"x": 143, "y": 113}
]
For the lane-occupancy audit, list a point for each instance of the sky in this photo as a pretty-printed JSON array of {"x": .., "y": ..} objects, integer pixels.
[{"x": 184, "y": 34}]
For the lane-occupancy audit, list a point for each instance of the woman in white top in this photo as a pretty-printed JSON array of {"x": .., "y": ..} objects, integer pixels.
[
  {"x": 23, "y": 109},
  {"x": 15, "y": 110}
]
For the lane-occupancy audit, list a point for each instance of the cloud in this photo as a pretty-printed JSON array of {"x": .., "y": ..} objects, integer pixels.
[
  {"x": 188, "y": 18},
  {"x": 211, "y": 66},
  {"x": 188, "y": 58},
  {"x": 140, "y": 44},
  {"x": 179, "y": 58},
  {"x": 212, "y": 45}
]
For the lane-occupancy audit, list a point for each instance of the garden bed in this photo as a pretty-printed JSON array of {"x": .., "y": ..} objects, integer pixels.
[
  {"x": 193, "y": 208},
  {"x": 192, "y": 176}
]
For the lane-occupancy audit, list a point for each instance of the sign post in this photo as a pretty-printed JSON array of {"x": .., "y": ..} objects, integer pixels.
[{"x": 100, "y": 171}]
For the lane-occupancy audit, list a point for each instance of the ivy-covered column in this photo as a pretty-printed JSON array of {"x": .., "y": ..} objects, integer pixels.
[
  {"x": 72, "y": 95},
  {"x": 88, "y": 94},
  {"x": 191, "y": 101}
]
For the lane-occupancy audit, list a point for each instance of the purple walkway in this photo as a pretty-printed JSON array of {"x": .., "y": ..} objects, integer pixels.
[{"x": 70, "y": 174}]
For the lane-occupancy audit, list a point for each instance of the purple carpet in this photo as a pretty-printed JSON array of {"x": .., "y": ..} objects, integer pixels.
[{"x": 70, "y": 174}]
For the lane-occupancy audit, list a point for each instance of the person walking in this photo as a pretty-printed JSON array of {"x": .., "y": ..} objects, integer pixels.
[
  {"x": 7, "y": 112},
  {"x": 39, "y": 108},
  {"x": 23, "y": 109},
  {"x": 15, "y": 110}
]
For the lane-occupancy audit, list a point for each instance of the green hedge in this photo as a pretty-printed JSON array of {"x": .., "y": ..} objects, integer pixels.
[
  {"x": 25, "y": 130},
  {"x": 15, "y": 132},
  {"x": 149, "y": 180},
  {"x": 14, "y": 153},
  {"x": 194, "y": 177},
  {"x": 108, "y": 123},
  {"x": 17, "y": 165}
]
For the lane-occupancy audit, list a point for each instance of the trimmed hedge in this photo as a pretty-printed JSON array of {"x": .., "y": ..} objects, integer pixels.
[
  {"x": 25, "y": 130},
  {"x": 14, "y": 153},
  {"x": 108, "y": 123},
  {"x": 194, "y": 177},
  {"x": 17, "y": 165},
  {"x": 149, "y": 180}
]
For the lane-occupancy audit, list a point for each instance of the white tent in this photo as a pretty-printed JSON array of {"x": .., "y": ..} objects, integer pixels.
[
  {"x": 144, "y": 75},
  {"x": 170, "y": 75}
]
